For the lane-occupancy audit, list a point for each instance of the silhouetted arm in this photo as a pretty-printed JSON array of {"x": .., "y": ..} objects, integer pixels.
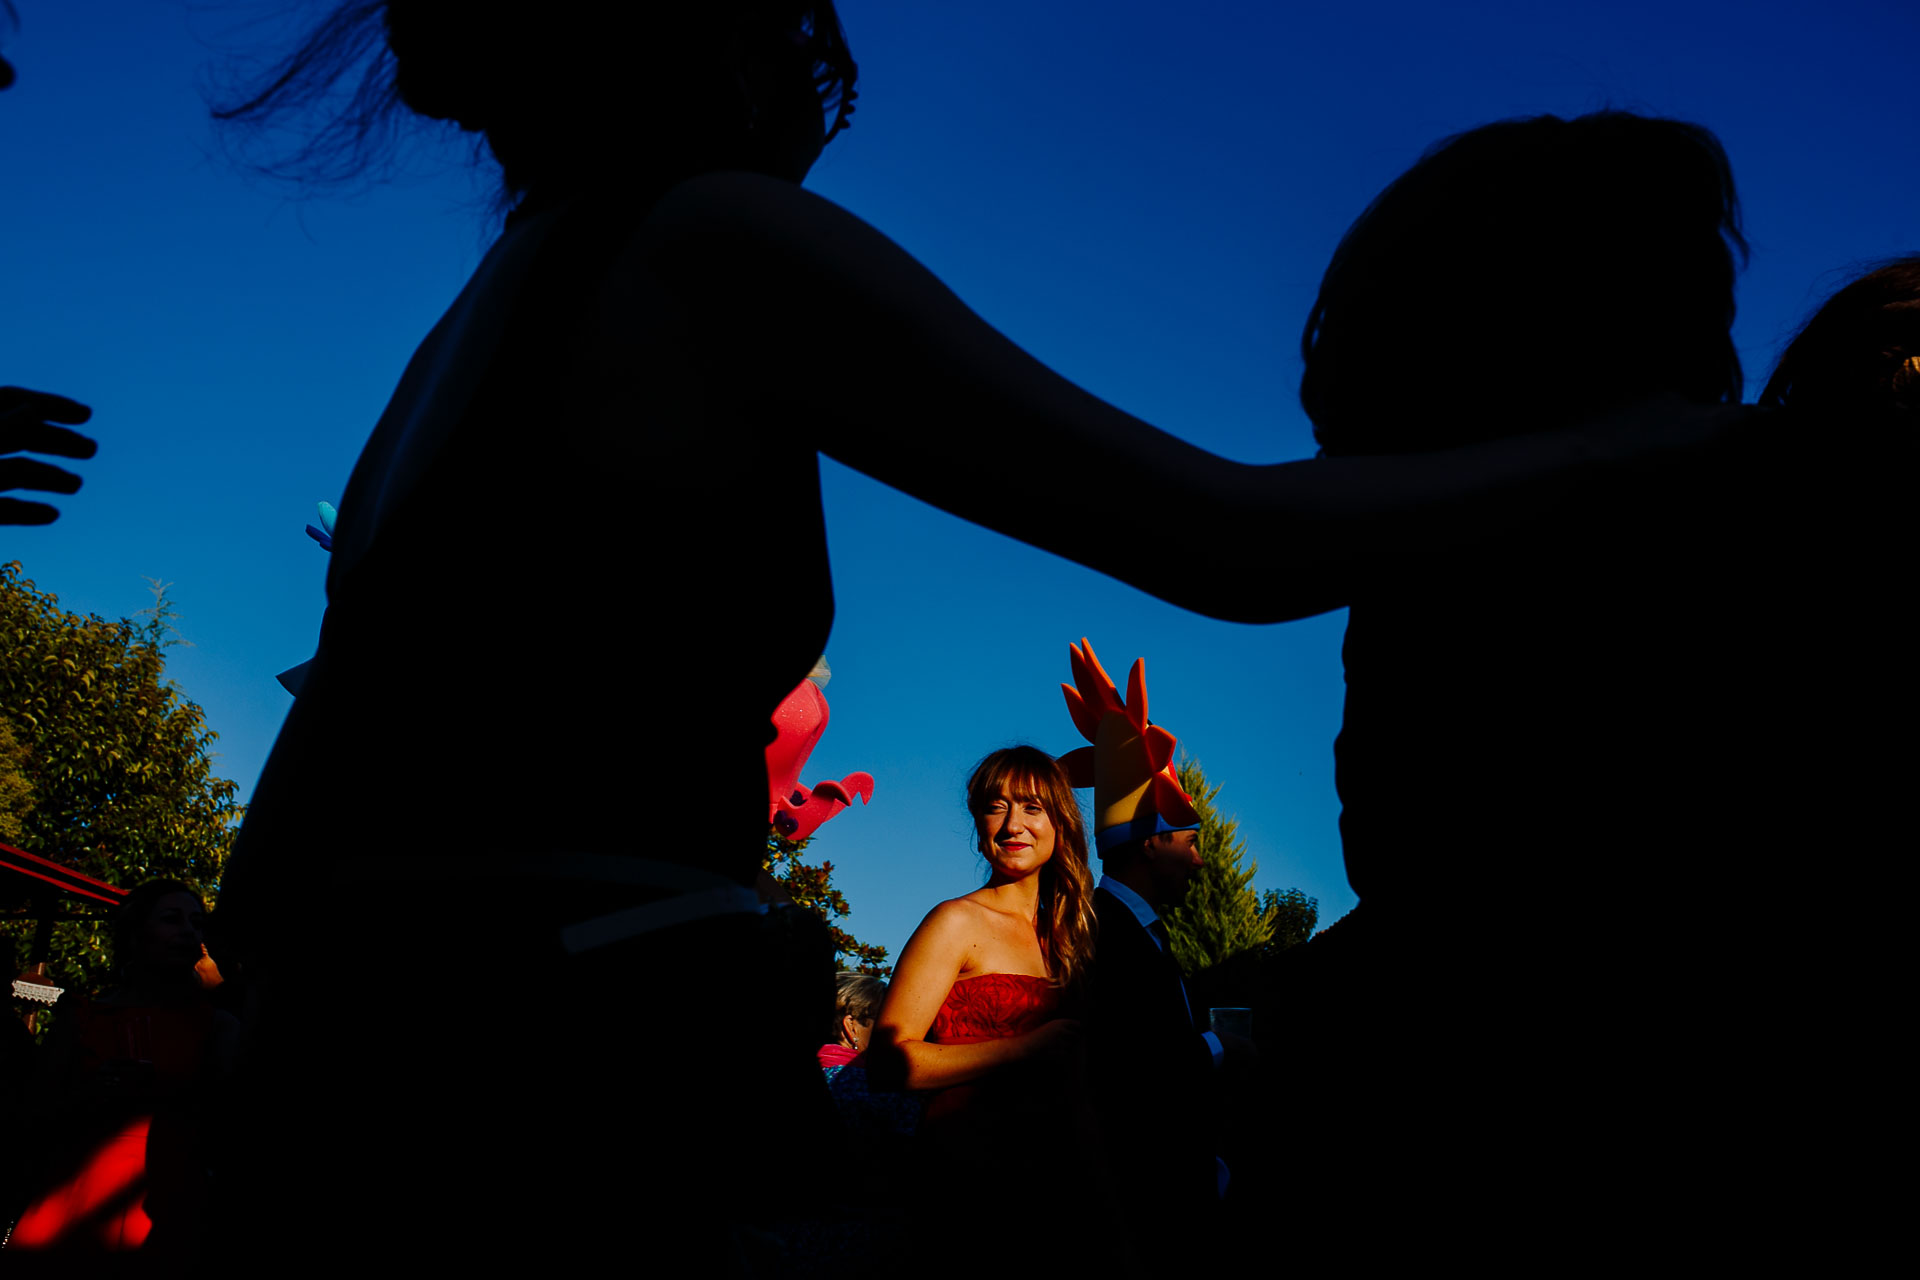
[{"x": 850, "y": 339}]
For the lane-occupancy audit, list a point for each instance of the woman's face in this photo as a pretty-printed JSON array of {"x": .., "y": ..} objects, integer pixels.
[
  {"x": 1016, "y": 833},
  {"x": 174, "y": 931}
]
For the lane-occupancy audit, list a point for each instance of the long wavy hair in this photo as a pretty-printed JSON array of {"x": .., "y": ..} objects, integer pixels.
[{"x": 1065, "y": 921}]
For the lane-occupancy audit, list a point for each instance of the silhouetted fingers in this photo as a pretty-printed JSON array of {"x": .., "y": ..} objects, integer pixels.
[
  {"x": 14, "y": 511},
  {"x": 41, "y": 404},
  {"x": 44, "y": 437},
  {"x": 27, "y": 421},
  {"x": 26, "y": 473}
]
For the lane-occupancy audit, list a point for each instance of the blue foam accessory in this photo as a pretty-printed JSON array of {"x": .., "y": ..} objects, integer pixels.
[{"x": 1139, "y": 829}]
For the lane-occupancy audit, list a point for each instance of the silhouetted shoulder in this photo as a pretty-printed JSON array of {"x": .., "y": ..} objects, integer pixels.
[{"x": 749, "y": 205}]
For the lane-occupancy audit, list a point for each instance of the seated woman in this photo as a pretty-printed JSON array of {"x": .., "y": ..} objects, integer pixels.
[
  {"x": 874, "y": 1155},
  {"x": 131, "y": 1074},
  {"x": 856, "y": 1003},
  {"x": 1568, "y": 733}
]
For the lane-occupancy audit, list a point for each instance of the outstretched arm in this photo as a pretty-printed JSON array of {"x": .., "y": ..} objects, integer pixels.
[
  {"x": 899, "y": 1056},
  {"x": 854, "y": 341}
]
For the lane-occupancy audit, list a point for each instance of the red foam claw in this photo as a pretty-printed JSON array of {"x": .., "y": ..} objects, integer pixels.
[
  {"x": 1137, "y": 694},
  {"x": 1082, "y": 674},
  {"x": 1171, "y": 802},
  {"x": 1108, "y": 695},
  {"x": 858, "y": 784},
  {"x": 1079, "y": 766},
  {"x": 1084, "y": 718},
  {"x": 1160, "y": 745},
  {"x": 809, "y": 817}
]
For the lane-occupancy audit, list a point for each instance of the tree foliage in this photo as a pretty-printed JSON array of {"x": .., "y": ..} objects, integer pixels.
[
  {"x": 118, "y": 775},
  {"x": 16, "y": 792},
  {"x": 811, "y": 887},
  {"x": 1222, "y": 916},
  {"x": 1291, "y": 914}
]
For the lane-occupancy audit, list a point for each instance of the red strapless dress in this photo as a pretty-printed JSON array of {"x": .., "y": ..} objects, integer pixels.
[{"x": 991, "y": 1006}]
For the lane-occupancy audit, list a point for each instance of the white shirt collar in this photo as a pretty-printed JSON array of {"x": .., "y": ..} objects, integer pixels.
[{"x": 1133, "y": 902}]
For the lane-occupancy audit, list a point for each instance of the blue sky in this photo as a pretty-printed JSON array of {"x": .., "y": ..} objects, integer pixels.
[{"x": 1145, "y": 200}]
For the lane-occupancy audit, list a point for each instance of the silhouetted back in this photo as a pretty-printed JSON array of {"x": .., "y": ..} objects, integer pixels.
[{"x": 1588, "y": 778}]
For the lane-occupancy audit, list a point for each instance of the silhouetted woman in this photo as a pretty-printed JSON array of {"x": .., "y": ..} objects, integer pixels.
[
  {"x": 637, "y": 383},
  {"x": 1608, "y": 749}
]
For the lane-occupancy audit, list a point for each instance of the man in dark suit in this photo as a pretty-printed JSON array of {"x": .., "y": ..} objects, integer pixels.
[{"x": 1150, "y": 1057}]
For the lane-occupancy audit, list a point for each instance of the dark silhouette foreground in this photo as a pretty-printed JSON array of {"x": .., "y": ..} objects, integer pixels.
[
  {"x": 645, "y": 368},
  {"x": 1588, "y": 779}
]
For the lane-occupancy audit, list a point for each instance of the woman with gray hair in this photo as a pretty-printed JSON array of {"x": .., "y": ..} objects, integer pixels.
[{"x": 856, "y": 1004}]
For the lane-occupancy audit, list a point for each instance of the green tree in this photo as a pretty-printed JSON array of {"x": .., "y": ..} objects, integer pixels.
[
  {"x": 811, "y": 887},
  {"x": 116, "y": 762},
  {"x": 1292, "y": 916},
  {"x": 1222, "y": 916},
  {"x": 16, "y": 791}
]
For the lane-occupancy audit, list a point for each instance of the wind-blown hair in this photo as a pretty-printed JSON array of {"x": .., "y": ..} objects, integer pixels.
[
  {"x": 1525, "y": 270},
  {"x": 564, "y": 83},
  {"x": 1860, "y": 353},
  {"x": 1065, "y": 921}
]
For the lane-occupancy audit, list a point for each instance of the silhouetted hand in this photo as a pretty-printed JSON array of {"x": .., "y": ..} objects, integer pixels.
[{"x": 27, "y": 425}]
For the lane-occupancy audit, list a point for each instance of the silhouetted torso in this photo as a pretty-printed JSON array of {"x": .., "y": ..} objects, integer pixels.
[
  {"x": 571, "y": 582},
  {"x": 1662, "y": 708},
  {"x": 569, "y": 586},
  {"x": 1601, "y": 796}
]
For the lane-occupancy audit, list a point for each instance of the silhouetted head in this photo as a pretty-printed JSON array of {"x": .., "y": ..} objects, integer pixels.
[
  {"x": 1524, "y": 273},
  {"x": 1005, "y": 788},
  {"x": 159, "y": 929},
  {"x": 573, "y": 92},
  {"x": 1860, "y": 354},
  {"x": 1161, "y": 868}
]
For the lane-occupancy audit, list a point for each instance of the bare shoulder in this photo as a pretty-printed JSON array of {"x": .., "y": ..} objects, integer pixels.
[{"x": 956, "y": 917}]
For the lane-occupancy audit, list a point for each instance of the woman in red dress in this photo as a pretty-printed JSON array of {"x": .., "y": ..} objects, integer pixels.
[
  {"x": 981, "y": 1005},
  {"x": 983, "y": 983}
]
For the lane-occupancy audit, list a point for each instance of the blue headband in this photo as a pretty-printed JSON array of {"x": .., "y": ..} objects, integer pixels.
[{"x": 1143, "y": 827}]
